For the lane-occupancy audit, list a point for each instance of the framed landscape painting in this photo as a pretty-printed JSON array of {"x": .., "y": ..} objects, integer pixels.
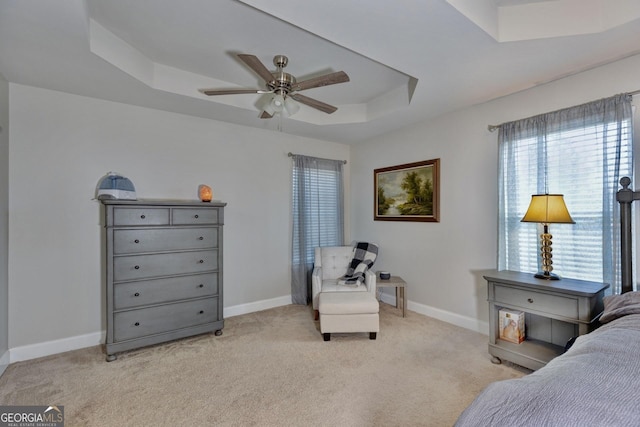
[{"x": 409, "y": 192}]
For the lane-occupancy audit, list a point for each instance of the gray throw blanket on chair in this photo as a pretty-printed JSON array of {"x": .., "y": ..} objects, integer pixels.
[{"x": 364, "y": 255}]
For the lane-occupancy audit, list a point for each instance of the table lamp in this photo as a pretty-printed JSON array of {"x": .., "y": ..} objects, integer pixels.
[{"x": 547, "y": 209}]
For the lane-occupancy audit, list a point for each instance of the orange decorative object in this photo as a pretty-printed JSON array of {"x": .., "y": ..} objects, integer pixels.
[{"x": 205, "y": 193}]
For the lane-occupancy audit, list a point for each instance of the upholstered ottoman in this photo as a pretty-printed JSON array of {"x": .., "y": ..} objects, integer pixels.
[{"x": 348, "y": 312}]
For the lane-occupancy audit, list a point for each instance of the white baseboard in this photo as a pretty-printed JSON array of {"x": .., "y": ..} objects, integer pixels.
[
  {"x": 47, "y": 348},
  {"x": 437, "y": 313},
  {"x": 252, "y": 307}
]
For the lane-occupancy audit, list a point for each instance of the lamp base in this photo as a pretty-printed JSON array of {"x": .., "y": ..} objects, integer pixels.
[{"x": 546, "y": 276}]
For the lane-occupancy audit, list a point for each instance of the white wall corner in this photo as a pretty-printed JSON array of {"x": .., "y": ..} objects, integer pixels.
[
  {"x": 483, "y": 13},
  {"x": 5, "y": 359},
  {"x": 117, "y": 52}
]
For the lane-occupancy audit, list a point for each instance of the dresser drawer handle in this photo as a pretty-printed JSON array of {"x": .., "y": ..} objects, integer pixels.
[
  {"x": 201, "y": 285},
  {"x": 530, "y": 300},
  {"x": 137, "y": 267},
  {"x": 143, "y": 216},
  {"x": 136, "y": 241},
  {"x": 200, "y": 238},
  {"x": 137, "y": 294},
  {"x": 201, "y": 312},
  {"x": 196, "y": 216},
  {"x": 137, "y": 323},
  {"x": 201, "y": 261}
]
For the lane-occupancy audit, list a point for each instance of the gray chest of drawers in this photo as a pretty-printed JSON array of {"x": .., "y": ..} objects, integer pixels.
[
  {"x": 164, "y": 271},
  {"x": 555, "y": 311}
]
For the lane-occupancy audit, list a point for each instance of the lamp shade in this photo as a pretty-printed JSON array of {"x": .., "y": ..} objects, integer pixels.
[
  {"x": 548, "y": 209},
  {"x": 291, "y": 106}
]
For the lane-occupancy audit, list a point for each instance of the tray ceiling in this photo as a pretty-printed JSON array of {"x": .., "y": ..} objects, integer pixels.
[{"x": 408, "y": 61}]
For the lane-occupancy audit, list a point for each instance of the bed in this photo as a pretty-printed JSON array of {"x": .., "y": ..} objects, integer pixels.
[{"x": 595, "y": 383}]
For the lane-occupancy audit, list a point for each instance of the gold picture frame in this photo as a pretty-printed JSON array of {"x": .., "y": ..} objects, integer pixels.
[{"x": 409, "y": 192}]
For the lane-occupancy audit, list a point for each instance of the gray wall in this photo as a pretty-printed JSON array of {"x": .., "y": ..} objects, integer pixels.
[
  {"x": 442, "y": 262},
  {"x": 62, "y": 144},
  {"x": 4, "y": 223}
]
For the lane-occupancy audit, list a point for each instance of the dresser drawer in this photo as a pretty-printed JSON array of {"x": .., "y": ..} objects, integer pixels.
[
  {"x": 163, "y": 318},
  {"x": 134, "y": 294},
  {"x": 191, "y": 216},
  {"x": 547, "y": 303},
  {"x": 170, "y": 264},
  {"x": 140, "y": 216},
  {"x": 127, "y": 241}
]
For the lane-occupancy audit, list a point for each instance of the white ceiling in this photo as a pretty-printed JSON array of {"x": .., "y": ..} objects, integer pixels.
[{"x": 408, "y": 60}]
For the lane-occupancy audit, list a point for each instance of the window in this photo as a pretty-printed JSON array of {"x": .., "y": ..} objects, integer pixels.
[
  {"x": 581, "y": 152},
  {"x": 318, "y": 216}
]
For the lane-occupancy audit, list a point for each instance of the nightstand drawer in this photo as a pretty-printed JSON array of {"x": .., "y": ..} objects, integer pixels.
[{"x": 538, "y": 301}]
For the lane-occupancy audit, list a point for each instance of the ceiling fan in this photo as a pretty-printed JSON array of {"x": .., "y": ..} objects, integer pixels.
[{"x": 283, "y": 86}]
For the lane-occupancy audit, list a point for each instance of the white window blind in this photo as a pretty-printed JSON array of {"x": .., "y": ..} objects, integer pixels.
[
  {"x": 318, "y": 217},
  {"x": 318, "y": 214},
  {"x": 582, "y": 157}
]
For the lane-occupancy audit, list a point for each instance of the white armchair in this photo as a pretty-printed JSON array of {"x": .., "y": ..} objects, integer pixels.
[{"x": 330, "y": 264}]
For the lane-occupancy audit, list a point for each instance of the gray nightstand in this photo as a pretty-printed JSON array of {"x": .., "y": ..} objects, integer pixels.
[{"x": 555, "y": 311}]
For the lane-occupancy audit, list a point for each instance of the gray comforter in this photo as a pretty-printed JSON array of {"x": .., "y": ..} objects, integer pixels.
[{"x": 595, "y": 383}]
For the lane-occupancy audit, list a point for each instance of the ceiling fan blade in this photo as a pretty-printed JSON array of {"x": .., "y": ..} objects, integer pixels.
[
  {"x": 318, "y": 105},
  {"x": 212, "y": 92},
  {"x": 254, "y": 63},
  {"x": 326, "y": 80},
  {"x": 265, "y": 115}
]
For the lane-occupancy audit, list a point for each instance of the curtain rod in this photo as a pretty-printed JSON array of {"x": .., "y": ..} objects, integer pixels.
[
  {"x": 291, "y": 155},
  {"x": 493, "y": 128}
]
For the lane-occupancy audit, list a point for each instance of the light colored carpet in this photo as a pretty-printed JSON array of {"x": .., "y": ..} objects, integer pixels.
[{"x": 270, "y": 368}]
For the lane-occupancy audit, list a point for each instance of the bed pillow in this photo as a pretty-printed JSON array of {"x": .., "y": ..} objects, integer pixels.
[{"x": 620, "y": 305}]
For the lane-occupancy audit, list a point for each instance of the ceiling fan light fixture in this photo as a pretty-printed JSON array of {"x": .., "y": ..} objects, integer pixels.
[
  {"x": 291, "y": 106},
  {"x": 269, "y": 109},
  {"x": 277, "y": 102},
  {"x": 266, "y": 104},
  {"x": 281, "y": 86}
]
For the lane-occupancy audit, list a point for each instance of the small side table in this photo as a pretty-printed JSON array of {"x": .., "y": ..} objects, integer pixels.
[{"x": 400, "y": 285}]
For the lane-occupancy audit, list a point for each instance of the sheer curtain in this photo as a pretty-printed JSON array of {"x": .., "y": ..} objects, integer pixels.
[
  {"x": 318, "y": 216},
  {"x": 581, "y": 152}
]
